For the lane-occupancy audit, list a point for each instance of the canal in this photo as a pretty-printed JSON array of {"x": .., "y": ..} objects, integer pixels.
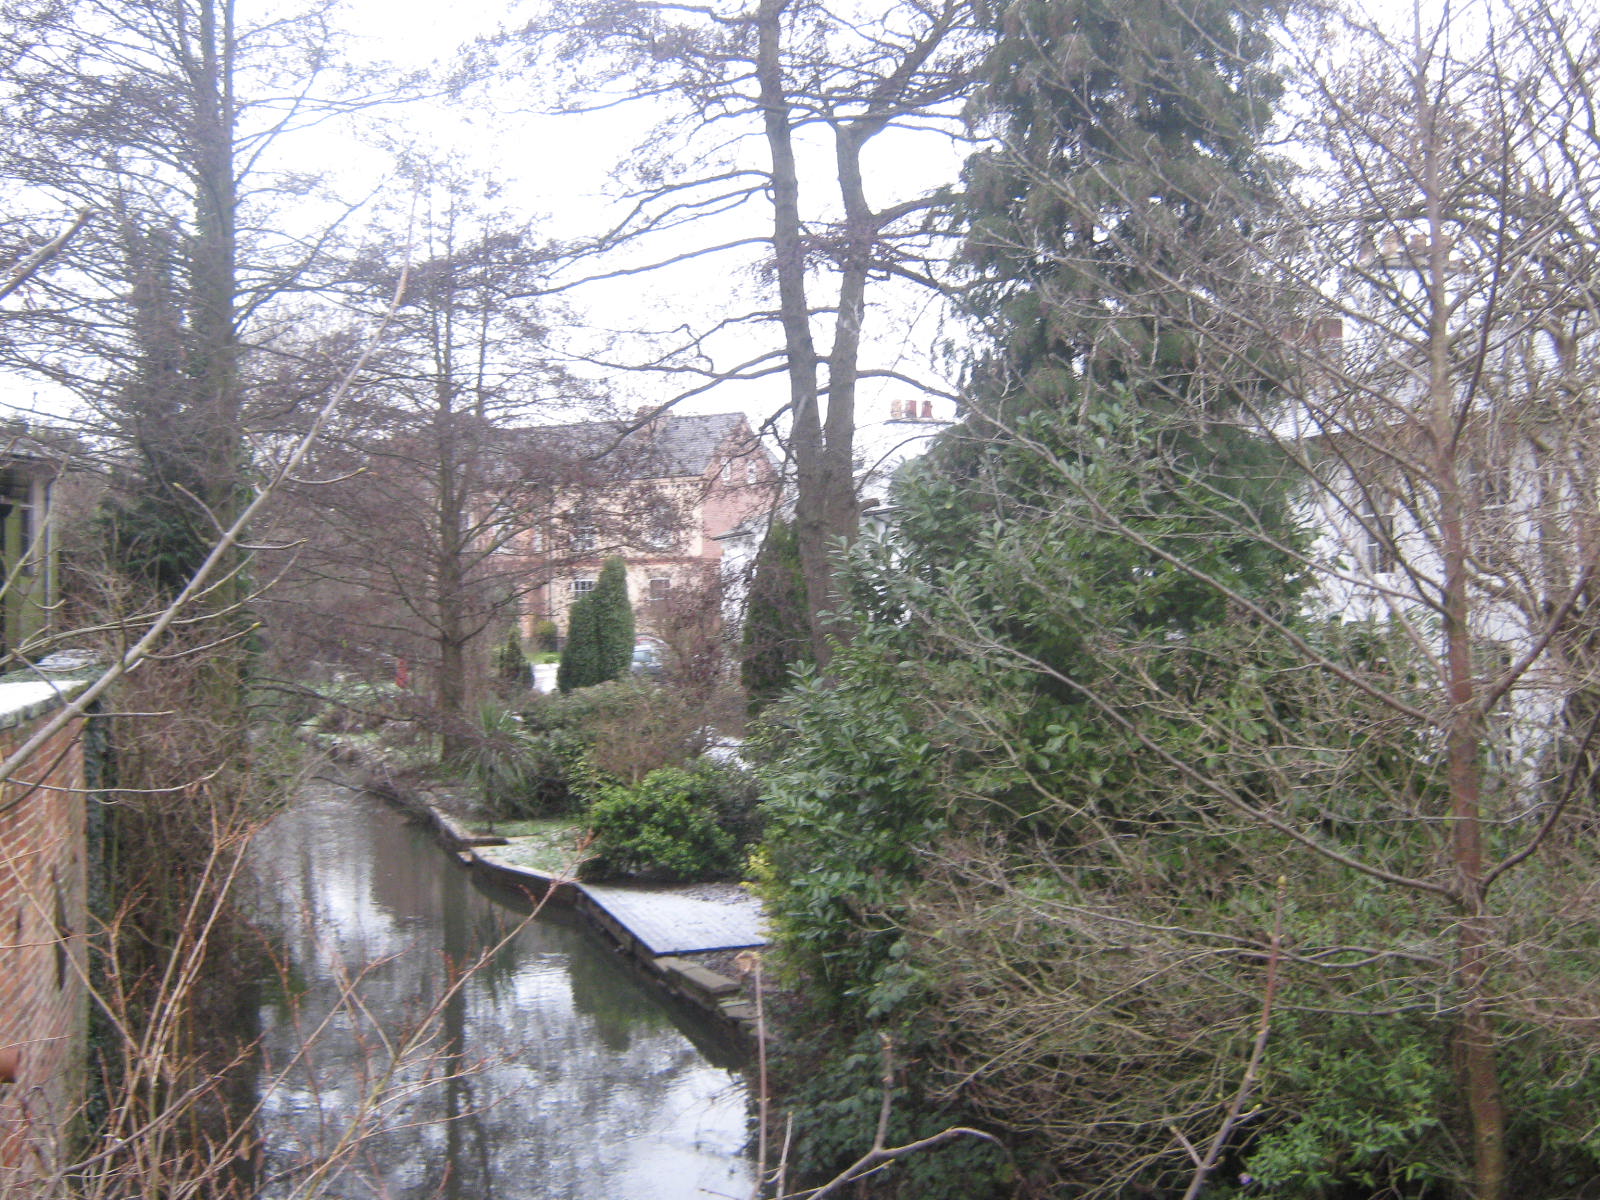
[{"x": 436, "y": 1042}]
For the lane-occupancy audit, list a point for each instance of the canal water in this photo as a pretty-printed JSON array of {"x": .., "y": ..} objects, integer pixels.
[{"x": 436, "y": 1042}]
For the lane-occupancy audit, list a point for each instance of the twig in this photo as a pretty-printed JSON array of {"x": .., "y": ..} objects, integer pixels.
[
  {"x": 881, "y": 1154},
  {"x": 1235, "y": 1114},
  {"x": 28, "y": 267},
  {"x": 749, "y": 962}
]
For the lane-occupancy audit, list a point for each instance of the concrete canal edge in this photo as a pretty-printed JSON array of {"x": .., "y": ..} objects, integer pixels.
[{"x": 623, "y": 922}]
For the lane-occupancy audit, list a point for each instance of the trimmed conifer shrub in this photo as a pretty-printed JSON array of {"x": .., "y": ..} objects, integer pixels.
[
  {"x": 599, "y": 633},
  {"x": 613, "y": 621}
]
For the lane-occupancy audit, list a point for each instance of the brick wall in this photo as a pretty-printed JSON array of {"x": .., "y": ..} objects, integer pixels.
[{"x": 43, "y": 1007}]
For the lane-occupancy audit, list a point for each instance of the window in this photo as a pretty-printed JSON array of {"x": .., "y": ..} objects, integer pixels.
[
  {"x": 1377, "y": 527},
  {"x": 741, "y": 469},
  {"x": 583, "y": 533},
  {"x": 660, "y": 588},
  {"x": 583, "y": 585},
  {"x": 662, "y": 531}
]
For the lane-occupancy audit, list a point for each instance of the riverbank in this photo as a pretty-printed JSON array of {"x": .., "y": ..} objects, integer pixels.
[
  {"x": 689, "y": 938},
  {"x": 427, "y": 1023}
]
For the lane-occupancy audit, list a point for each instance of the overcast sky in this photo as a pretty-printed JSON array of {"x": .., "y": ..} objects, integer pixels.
[{"x": 556, "y": 169}]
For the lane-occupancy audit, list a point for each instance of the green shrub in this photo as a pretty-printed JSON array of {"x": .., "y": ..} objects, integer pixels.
[
  {"x": 599, "y": 633},
  {"x": 776, "y": 634},
  {"x": 580, "y": 657},
  {"x": 833, "y": 1087},
  {"x": 614, "y": 624},
  {"x": 631, "y": 727},
  {"x": 544, "y": 636},
  {"x": 733, "y": 795},
  {"x": 579, "y": 711},
  {"x": 660, "y": 827},
  {"x": 524, "y": 773},
  {"x": 510, "y": 663}
]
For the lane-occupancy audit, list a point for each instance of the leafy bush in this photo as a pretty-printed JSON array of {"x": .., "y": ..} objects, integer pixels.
[
  {"x": 733, "y": 795},
  {"x": 510, "y": 663},
  {"x": 630, "y": 726},
  {"x": 563, "y": 749},
  {"x": 544, "y": 636},
  {"x": 599, "y": 633},
  {"x": 524, "y": 773},
  {"x": 833, "y": 1088},
  {"x": 661, "y": 827}
]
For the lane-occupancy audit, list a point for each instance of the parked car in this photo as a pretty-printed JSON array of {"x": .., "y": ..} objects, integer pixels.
[{"x": 648, "y": 659}]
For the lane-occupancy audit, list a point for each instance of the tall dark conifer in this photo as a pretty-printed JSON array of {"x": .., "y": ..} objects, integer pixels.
[
  {"x": 1040, "y": 550},
  {"x": 599, "y": 632},
  {"x": 1128, "y": 154},
  {"x": 613, "y": 621},
  {"x": 1118, "y": 211}
]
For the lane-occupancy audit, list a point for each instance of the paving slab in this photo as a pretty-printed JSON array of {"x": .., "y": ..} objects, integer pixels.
[{"x": 667, "y": 922}]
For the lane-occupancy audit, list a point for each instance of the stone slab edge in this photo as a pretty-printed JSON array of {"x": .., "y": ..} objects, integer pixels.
[
  {"x": 706, "y": 989},
  {"x": 713, "y": 993}
]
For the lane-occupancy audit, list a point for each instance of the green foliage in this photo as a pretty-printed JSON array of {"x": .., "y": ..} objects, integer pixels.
[
  {"x": 561, "y": 750},
  {"x": 1126, "y": 146},
  {"x": 1367, "y": 1102},
  {"x": 156, "y": 537},
  {"x": 1366, "y": 1107},
  {"x": 545, "y": 636},
  {"x": 599, "y": 632},
  {"x": 510, "y": 663},
  {"x": 614, "y": 624},
  {"x": 776, "y": 635},
  {"x": 851, "y": 796},
  {"x": 580, "y": 657},
  {"x": 662, "y": 827},
  {"x": 628, "y": 726},
  {"x": 525, "y": 773},
  {"x": 834, "y": 1089},
  {"x": 1055, "y": 563}
]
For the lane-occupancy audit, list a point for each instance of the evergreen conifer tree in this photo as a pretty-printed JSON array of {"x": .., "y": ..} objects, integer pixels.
[
  {"x": 599, "y": 632},
  {"x": 775, "y": 635},
  {"x": 613, "y": 621},
  {"x": 579, "y": 666},
  {"x": 510, "y": 662}
]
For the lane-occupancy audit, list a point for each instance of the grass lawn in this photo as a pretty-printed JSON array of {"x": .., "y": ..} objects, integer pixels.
[{"x": 549, "y": 846}]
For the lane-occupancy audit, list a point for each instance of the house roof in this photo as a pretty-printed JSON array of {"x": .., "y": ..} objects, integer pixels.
[
  {"x": 668, "y": 446},
  {"x": 26, "y": 456}
]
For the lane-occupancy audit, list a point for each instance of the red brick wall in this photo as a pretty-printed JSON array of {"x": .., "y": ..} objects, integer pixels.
[{"x": 43, "y": 1006}]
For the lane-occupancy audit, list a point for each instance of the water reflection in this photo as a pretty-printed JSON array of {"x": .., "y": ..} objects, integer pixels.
[{"x": 549, "y": 1071}]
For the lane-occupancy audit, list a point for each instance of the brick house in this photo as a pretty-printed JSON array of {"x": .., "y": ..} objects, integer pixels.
[
  {"x": 43, "y": 912},
  {"x": 659, "y": 494}
]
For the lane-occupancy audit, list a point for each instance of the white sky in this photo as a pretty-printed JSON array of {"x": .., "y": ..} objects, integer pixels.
[{"x": 556, "y": 168}]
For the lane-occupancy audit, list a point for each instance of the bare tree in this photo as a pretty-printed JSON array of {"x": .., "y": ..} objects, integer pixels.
[
  {"x": 408, "y": 526},
  {"x": 778, "y": 72}
]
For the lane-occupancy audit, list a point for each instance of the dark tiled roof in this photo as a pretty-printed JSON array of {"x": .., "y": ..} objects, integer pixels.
[{"x": 669, "y": 446}]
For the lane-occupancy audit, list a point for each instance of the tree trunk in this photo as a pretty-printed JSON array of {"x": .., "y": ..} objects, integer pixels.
[
  {"x": 813, "y": 477},
  {"x": 213, "y": 362},
  {"x": 1464, "y": 734}
]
